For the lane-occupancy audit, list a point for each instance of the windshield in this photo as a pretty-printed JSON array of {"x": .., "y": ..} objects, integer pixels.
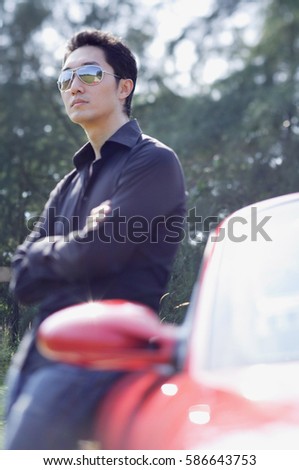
[{"x": 255, "y": 316}]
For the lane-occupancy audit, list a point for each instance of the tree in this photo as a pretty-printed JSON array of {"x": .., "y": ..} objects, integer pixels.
[
  {"x": 258, "y": 140},
  {"x": 238, "y": 141},
  {"x": 237, "y": 138}
]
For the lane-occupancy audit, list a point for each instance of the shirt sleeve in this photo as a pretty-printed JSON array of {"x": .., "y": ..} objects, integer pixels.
[{"x": 149, "y": 192}]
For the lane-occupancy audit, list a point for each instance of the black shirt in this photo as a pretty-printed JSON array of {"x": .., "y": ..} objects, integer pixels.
[{"x": 130, "y": 254}]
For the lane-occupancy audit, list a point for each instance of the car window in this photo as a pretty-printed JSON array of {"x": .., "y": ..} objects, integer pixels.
[{"x": 255, "y": 315}]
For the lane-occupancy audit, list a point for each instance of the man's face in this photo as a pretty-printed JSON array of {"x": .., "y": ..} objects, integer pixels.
[{"x": 97, "y": 104}]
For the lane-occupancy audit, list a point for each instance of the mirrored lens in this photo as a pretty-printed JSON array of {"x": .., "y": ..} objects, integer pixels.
[
  {"x": 89, "y": 74},
  {"x": 64, "y": 80}
]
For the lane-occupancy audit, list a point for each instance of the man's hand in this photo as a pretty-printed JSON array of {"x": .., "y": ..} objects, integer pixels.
[{"x": 97, "y": 215}]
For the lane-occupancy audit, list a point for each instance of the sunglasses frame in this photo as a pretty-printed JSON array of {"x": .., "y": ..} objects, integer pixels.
[{"x": 75, "y": 72}]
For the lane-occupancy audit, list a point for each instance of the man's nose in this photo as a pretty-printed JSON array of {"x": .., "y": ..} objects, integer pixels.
[{"x": 76, "y": 84}]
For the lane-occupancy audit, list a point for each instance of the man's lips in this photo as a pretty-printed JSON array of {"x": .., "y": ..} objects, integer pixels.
[{"x": 78, "y": 102}]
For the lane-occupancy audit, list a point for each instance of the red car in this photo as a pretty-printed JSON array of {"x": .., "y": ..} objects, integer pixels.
[{"x": 227, "y": 378}]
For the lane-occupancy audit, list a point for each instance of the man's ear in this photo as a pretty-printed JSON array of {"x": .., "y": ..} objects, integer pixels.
[{"x": 125, "y": 87}]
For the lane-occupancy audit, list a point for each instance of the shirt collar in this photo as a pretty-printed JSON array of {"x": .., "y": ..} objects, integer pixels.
[{"x": 127, "y": 136}]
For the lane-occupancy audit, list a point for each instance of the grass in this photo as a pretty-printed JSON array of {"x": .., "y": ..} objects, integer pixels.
[
  {"x": 6, "y": 353},
  {"x": 1, "y": 415}
]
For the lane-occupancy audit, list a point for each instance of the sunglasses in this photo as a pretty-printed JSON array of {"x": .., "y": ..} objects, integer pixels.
[{"x": 88, "y": 74}]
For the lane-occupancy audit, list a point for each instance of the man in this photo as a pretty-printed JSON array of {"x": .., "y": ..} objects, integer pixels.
[{"x": 110, "y": 229}]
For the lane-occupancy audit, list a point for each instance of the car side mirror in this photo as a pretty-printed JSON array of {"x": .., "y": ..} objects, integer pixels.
[{"x": 109, "y": 334}]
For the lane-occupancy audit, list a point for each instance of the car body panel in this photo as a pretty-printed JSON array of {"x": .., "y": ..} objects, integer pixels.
[{"x": 148, "y": 413}]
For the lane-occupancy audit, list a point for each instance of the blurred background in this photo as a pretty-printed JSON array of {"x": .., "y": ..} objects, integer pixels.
[{"x": 218, "y": 82}]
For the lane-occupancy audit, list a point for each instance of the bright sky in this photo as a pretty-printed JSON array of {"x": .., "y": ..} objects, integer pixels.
[
  {"x": 173, "y": 18},
  {"x": 170, "y": 21}
]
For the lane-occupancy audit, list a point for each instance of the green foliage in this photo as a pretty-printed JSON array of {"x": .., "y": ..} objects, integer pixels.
[
  {"x": 175, "y": 302},
  {"x": 237, "y": 139},
  {"x": 2, "y": 391},
  {"x": 6, "y": 352}
]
